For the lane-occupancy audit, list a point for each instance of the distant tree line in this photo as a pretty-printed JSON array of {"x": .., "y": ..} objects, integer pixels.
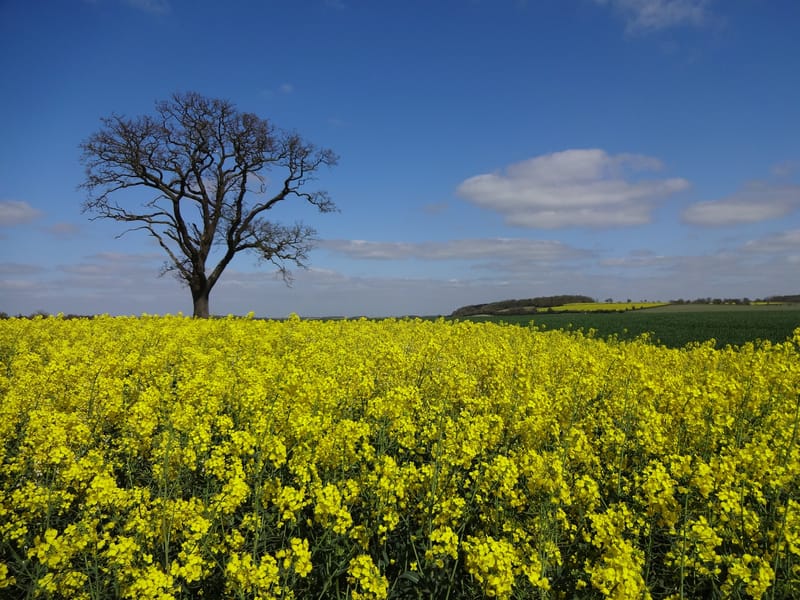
[
  {"x": 738, "y": 301},
  {"x": 786, "y": 299}
]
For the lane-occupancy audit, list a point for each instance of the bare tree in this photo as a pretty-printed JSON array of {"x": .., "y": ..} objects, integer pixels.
[{"x": 210, "y": 168}]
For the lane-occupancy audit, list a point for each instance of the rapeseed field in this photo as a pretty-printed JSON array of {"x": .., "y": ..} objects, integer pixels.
[{"x": 165, "y": 457}]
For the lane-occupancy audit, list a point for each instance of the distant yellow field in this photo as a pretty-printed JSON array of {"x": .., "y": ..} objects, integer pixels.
[{"x": 596, "y": 306}]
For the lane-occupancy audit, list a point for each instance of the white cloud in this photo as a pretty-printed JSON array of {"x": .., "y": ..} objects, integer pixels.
[
  {"x": 469, "y": 249},
  {"x": 652, "y": 15},
  {"x": 17, "y": 212},
  {"x": 286, "y": 88},
  {"x": 757, "y": 201},
  {"x": 573, "y": 188}
]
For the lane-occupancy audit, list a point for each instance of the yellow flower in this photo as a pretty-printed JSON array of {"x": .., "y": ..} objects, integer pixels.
[
  {"x": 443, "y": 542},
  {"x": 366, "y": 579},
  {"x": 290, "y": 500},
  {"x": 492, "y": 563},
  {"x": 328, "y": 509},
  {"x": 6, "y": 580},
  {"x": 151, "y": 583},
  {"x": 302, "y": 556}
]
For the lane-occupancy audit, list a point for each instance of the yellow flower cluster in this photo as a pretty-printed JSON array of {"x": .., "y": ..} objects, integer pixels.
[
  {"x": 366, "y": 579},
  {"x": 171, "y": 458}
]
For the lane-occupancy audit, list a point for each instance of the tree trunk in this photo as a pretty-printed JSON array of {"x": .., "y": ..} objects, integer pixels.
[{"x": 200, "y": 300}]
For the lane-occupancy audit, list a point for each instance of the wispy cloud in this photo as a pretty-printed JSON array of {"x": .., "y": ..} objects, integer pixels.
[
  {"x": 786, "y": 243},
  {"x": 155, "y": 7},
  {"x": 284, "y": 89},
  {"x": 639, "y": 259},
  {"x": 653, "y": 15},
  {"x": 786, "y": 168},
  {"x": 64, "y": 230},
  {"x": 756, "y": 201},
  {"x": 10, "y": 268},
  {"x": 573, "y": 188},
  {"x": 754, "y": 268},
  {"x": 436, "y": 208},
  {"x": 530, "y": 251},
  {"x": 17, "y": 212},
  {"x": 113, "y": 269}
]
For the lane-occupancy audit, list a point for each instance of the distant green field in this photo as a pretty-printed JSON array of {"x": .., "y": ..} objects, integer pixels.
[{"x": 677, "y": 325}]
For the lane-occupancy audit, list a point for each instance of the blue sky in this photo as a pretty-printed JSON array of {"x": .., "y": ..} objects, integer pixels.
[{"x": 642, "y": 149}]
